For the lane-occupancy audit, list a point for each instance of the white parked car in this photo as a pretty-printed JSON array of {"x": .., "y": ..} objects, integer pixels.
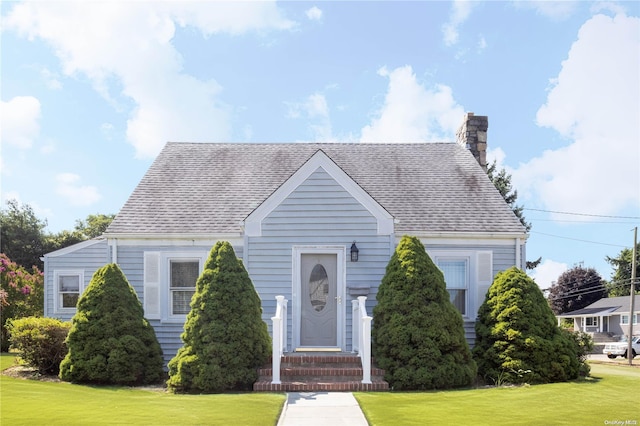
[{"x": 615, "y": 349}]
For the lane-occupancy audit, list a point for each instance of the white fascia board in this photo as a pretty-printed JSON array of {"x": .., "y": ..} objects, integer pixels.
[
  {"x": 174, "y": 240},
  {"x": 472, "y": 238},
  {"x": 74, "y": 247},
  {"x": 319, "y": 160}
]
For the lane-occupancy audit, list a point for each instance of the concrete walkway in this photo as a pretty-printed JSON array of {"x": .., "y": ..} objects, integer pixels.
[{"x": 321, "y": 409}]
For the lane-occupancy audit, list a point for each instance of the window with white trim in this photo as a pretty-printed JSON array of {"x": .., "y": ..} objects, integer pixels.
[
  {"x": 591, "y": 321},
  {"x": 456, "y": 275},
  {"x": 624, "y": 319},
  {"x": 69, "y": 287},
  {"x": 183, "y": 274}
]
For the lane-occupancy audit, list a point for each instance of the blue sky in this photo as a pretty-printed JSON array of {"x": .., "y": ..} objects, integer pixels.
[{"x": 91, "y": 91}]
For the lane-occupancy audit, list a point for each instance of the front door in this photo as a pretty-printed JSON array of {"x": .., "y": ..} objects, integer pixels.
[{"x": 318, "y": 300}]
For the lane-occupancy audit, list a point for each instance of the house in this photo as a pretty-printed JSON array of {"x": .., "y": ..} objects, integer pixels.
[
  {"x": 607, "y": 315},
  {"x": 316, "y": 223}
]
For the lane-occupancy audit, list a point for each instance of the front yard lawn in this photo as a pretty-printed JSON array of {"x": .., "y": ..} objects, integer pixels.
[
  {"x": 610, "y": 395},
  {"x": 31, "y": 402}
]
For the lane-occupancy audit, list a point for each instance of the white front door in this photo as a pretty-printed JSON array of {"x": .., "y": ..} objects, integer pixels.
[{"x": 319, "y": 299}]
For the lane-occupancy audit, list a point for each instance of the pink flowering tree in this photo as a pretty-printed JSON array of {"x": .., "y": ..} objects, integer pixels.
[{"x": 21, "y": 293}]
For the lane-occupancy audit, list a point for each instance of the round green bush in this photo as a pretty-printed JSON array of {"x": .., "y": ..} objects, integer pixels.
[
  {"x": 517, "y": 337},
  {"x": 225, "y": 338},
  {"x": 418, "y": 335},
  {"x": 110, "y": 341},
  {"x": 40, "y": 342}
]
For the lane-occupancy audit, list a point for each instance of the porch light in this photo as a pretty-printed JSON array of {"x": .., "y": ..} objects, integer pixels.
[{"x": 354, "y": 252}]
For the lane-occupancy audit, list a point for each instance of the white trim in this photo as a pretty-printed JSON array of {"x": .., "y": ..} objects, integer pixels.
[
  {"x": 57, "y": 308},
  {"x": 341, "y": 278},
  {"x": 177, "y": 241},
  {"x": 319, "y": 160},
  {"x": 468, "y": 238},
  {"x": 165, "y": 286},
  {"x": 74, "y": 247}
]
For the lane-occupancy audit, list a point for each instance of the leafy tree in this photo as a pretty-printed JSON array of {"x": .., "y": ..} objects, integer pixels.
[
  {"x": 502, "y": 181},
  {"x": 94, "y": 225},
  {"x": 620, "y": 284},
  {"x": 418, "y": 335},
  {"x": 22, "y": 234},
  {"x": 21, "y": 294},
  {"x": 576, "y": 288},
  {"x": 517, "y": 339},
  {"x": 110, "y": 341},
  {"x": 61, "y": 240},
  {"x": 225, "y": 339}
]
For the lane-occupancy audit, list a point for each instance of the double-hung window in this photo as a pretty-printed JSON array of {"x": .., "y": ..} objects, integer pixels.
[
  {"x": 592, "y": 321},
  {"x": 456, "y": 275},
  {"x": 69, "y": 286},
  {"x": 624, "y": 319},
  {"x": 183, "y": 274}
]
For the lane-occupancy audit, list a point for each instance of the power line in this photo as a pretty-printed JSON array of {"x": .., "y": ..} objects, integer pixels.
[
  {"x": 582, "y": 214},
  {"x": 577, "y": 239}
]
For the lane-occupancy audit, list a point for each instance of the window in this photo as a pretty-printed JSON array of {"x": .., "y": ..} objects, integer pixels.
[
  {"x": 182, "y": 278},
  {"x": 624, "y": 319},
  {"x": 592, "y": 321},
  {"x": 69, "y": 286},
  {"x": 455, "y": 275}
]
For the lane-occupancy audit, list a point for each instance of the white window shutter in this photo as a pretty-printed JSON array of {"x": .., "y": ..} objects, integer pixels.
[
  {"x": 151, "y": 293},
  {"x": 484, "y": 273}
]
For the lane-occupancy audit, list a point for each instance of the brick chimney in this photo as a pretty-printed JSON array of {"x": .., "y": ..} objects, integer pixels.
[{"x": 472, "y": 134}]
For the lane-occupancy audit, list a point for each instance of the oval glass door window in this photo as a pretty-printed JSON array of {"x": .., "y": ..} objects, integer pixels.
[{"x": 318, "y": 287}]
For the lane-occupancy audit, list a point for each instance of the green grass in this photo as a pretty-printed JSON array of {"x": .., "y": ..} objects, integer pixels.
[
  {"x": 611, "y": 394},
  {"x": 30, "y": 402}
]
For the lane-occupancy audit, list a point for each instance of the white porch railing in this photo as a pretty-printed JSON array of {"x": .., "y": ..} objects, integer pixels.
[
  {"x": 279, "y": 326},
  {"x": 361, "y": 336}
]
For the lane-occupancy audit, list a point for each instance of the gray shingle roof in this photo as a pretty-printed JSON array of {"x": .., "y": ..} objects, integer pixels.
[
  {"x": 209, "y": 188},
  {"x": 607, "y": 305}
]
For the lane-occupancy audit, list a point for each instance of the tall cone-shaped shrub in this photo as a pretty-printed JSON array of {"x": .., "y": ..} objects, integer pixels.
[
  {"x": 418, "y": 335},
  {"x": 110, "y": 341},
  {"x": 225, "y": 339},
  {"x": 517, "y": 337}
]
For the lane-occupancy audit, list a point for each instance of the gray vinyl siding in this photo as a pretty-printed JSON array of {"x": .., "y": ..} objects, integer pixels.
[
  {"x": 87, "y": 259},
  {"x": 318, "y": 213}
]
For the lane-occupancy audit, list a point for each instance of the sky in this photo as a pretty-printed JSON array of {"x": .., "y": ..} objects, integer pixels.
[{"x": 91, "y": 91}]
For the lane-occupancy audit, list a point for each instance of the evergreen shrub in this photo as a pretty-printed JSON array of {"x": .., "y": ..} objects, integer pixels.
[
  {"x": 40, "y": 342},
  {"x": 418, "y": 335},
  {"x": 225, "y": 338},
  {"x": 517, "y": 336},
  {"x": 110, "y": 341}
]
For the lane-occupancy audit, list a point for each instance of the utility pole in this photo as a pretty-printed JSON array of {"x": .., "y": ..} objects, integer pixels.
[{"x": 633, "y": 297}]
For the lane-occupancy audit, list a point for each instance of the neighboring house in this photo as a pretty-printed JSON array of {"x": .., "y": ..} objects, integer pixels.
[
  {"x": 607, "y": 315},
  {"x": 293, "y": 213}
]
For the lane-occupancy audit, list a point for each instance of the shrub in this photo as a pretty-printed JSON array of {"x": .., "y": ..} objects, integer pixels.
[
  {"x": 418, "y": 335},
  {"x": 517, "y": 332},
  {"x": 225, "y": 339},
  {"x": 21, "y": 294},
  {"x": 40, "y": 341},
  {"x": 110, "y": 341}
]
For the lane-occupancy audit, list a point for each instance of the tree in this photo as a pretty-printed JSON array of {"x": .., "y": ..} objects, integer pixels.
[
  {"x": 418, "y": 335},
  {"x": 225, "y": 338},
  {"x": 502, "y": 181},
  {"x": 21, "y": 294},
  {"x": 110, "y": 341},
  {"x": 22, "y": 234},
  {"x": 576, "y": 288},
  {"x": 620, "y": 284},
  {"x": 517, "y": 339},
  {"x": 94, "y": 225}
]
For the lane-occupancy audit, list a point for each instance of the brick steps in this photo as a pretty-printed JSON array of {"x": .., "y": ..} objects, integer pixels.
[{"x": 303, "y": 372}]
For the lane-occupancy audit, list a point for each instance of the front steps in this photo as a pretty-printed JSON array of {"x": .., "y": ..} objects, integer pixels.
[{"x": 320, "y": 372}]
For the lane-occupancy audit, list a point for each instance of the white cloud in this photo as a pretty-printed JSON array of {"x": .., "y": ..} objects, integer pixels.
[
  {"x": 20, "y": 121},
  {"x": 68, "y": 186},
  {"x": 594, "y": 104},
  {"x": 316, "y": 110},
  {"x": 556, "y": 10},
  {"x": 412, "y": 112},
  {"x": 130, "y": 43},
  {"x": 460, "y": 11},
  {"x": 548, "y": 272},
  {"x": 51, "y": 79},
  {"x": 314, "y": 14}
]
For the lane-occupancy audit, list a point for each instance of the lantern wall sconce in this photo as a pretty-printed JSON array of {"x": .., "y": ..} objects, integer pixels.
[{"x": 354, "y": 252}]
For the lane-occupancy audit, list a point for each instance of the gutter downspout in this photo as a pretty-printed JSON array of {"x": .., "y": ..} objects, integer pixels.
[{"x": 518, "y": 253}]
